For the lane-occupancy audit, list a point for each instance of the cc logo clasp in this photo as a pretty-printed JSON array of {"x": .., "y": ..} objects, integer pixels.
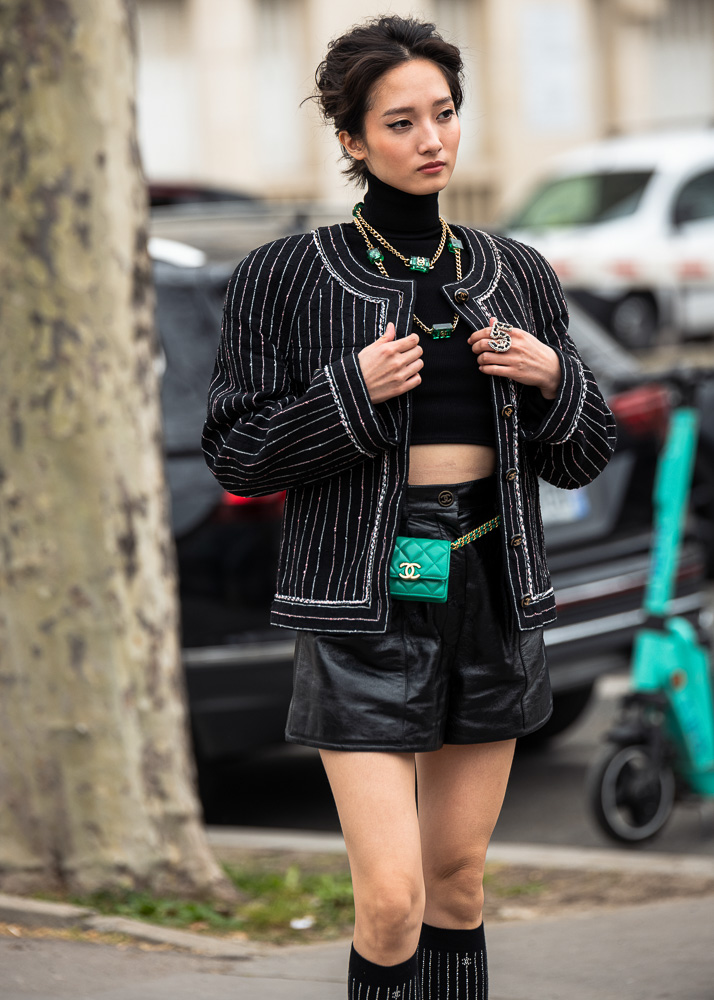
[{"x": 409, "y": 573}]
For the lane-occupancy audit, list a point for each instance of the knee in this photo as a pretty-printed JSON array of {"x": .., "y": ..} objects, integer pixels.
[
  {"x": 389, "y": 915},
  {"x": 455, "y": 891}
]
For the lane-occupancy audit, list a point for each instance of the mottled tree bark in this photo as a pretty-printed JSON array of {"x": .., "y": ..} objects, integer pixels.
[{"x": 96, "y": 782}]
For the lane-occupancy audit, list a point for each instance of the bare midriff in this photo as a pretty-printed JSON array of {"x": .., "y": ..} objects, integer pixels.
[{"x": 449, "y": 463}]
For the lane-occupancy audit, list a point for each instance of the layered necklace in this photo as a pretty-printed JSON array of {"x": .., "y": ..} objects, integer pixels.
[{"x": 438, "y": 331}]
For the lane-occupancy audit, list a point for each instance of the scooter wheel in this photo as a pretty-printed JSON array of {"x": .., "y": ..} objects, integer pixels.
[{"x": 631, "y": 794}]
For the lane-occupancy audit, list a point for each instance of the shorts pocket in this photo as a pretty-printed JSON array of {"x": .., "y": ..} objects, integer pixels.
[{"x": 537, "y": 699}]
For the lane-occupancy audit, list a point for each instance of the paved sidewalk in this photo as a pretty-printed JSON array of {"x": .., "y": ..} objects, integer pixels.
[
  {"x": 538, "y": 855},
  {"x": 659, "y": 952},
  {"x": 663, "y": 951}
]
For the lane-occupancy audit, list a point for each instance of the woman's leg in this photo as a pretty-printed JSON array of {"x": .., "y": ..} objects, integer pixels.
[
  {"x": 461, "y": 791},
  {"x": 374, "y": 794}
]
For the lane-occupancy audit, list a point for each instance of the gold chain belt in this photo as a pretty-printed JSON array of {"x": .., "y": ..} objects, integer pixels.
[{"x": 477, "y": 532}]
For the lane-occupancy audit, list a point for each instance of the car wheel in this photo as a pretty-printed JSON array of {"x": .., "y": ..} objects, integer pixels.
[
  {"x": 633, "y": 321},
  {"x": 568, "y": 706}
]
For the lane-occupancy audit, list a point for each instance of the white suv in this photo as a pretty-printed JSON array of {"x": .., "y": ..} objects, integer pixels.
[{"x": 628, "y": 224}]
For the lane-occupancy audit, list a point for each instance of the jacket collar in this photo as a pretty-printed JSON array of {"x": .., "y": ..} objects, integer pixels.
[
  {"x": 480, "y": 280},
  {"x": 482, "y": 277}
]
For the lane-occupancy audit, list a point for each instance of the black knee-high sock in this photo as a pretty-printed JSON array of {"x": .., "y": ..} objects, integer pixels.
[
  {"x": 368, "y": 981},
  {"x": 452, "y": 964}
]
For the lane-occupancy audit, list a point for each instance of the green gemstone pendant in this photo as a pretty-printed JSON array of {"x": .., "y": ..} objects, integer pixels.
[
  {"x": 455, "y": 245},
  {"x": 440, "y": 331},
  {"x": 419, "y": 263},
  {"x": 358, "y": 208},
  {"x": 375, "y": 255}
]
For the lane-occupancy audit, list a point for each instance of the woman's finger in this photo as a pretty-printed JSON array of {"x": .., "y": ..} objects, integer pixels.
[
  {"x": 407, "y": 343},
  {"x": 497, "y": 367},
  {"x": 483, "y": 345}
]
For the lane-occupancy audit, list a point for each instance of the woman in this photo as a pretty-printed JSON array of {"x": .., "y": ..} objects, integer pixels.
[{"x": 401, "y": 377}]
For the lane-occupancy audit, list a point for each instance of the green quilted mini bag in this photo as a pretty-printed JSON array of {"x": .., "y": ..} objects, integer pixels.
[{"x": 419, "y": 568}]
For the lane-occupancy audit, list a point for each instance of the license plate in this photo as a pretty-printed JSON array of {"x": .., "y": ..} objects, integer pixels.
[{"x": 563, "y": 506}]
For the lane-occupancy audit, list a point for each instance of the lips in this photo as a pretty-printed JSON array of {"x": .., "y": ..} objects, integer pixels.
[{"x": 433, "y": 165}]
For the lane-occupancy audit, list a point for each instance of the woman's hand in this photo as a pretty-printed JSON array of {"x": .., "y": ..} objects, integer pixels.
[
  {"x": 389, "y": 366},
  {"x": 527, "y": 360}
]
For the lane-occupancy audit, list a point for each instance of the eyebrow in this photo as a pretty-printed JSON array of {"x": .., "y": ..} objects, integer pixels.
[{"x": 407, "y": 110}]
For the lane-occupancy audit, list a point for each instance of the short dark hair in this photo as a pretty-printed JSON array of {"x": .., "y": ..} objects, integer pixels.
[{"x": 356, "y": 60}]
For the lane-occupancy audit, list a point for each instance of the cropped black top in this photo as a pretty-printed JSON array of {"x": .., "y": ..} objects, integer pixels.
[{"x": 452, "y": 404}]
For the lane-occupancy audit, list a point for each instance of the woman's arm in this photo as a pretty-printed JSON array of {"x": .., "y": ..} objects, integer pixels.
[
  {"x": 262, "y": 433},
  {"x": 568, "y": 428}
]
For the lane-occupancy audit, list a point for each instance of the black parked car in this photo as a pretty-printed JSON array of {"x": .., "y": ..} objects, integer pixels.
[{"x": 238, "y": 667}]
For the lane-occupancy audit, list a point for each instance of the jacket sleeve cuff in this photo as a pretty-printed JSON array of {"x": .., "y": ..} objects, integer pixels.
[
  {"x": 533, "y": 408},
  {"x": 560, "y": 420},
  {"x": 366, "y": 428}
]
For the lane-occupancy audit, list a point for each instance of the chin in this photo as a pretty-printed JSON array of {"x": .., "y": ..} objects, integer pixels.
[
  {"x": 430, "y": 185},
  {"x": 419, "y": 184}
]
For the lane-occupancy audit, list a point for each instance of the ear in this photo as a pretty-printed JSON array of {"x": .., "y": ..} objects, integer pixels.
[{"x": 355, "y": 147}]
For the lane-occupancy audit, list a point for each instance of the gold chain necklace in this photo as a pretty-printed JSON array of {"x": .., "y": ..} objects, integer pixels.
[
  {"x": 413, "y": 263},
  {"x": 439, "y": 331}
]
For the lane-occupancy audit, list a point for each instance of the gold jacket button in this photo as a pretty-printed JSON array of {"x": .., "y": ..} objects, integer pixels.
[
  {"x": 446, "y": 498},
  {"x": 510, "y": 475},
  {"x": 526, "y": 600},
  {"x": 507, "y": 411},
  {"x": 461, "y": 295},
  {"x": 515, "y": 541}
]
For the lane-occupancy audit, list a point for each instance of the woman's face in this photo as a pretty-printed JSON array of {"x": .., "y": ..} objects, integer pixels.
[{"x": 411, "y": 131}]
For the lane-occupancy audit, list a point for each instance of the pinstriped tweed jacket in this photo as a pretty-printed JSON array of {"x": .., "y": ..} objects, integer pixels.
[{"x": 288, "y": 409}]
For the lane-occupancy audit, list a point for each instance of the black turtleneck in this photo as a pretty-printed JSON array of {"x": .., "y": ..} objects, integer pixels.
[
  {"x": 452, "y": 405},
  {"x": 388, "y": 208}
]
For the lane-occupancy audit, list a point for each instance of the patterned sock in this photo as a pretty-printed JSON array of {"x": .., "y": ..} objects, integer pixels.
[
  {"x": 452, "y": 964},
  {"x": 368, "y": 981}
]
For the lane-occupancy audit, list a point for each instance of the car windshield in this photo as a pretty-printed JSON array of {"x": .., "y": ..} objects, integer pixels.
[{"x": 582, "y": 200}]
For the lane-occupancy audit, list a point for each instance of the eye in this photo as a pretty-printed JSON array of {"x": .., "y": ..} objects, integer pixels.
[
  {"x": 399, "y": 125},
  {"x": 447, "y": 113}
]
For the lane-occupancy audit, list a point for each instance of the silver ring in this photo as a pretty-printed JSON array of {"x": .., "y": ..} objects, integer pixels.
[
  {"x": 500, "y": 329},
  {"x": 501, "y": 345}
]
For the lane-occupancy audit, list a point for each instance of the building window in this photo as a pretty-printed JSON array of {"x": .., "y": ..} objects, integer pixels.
[
  {"x": 458, "y": 22},
  {"x": 166, "y": 91},
  {"x": 280, "y": 85},
  {"x": 683, "y": 64}
]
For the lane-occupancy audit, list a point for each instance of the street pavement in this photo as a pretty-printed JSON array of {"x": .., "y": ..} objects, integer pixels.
[{"x": 656, "y": 952}]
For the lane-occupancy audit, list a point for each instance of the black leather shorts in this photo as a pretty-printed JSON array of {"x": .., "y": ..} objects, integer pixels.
[{"x": 459, "y": 672}]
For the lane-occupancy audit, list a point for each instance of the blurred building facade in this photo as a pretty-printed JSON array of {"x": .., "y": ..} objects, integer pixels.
[{"x": 221, "y": 83}]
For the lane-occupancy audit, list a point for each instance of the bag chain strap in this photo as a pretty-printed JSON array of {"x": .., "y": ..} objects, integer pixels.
[{"x": 477, "y": 532}]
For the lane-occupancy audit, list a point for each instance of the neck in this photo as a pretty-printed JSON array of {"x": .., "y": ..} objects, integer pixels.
[{"x": 391, "y": 210}]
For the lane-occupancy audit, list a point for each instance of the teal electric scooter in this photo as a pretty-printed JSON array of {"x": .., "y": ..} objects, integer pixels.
[{"x": 661, "y": 748}]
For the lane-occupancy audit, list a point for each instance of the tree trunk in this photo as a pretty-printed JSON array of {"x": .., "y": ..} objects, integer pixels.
[{"x": 96, "y": 784}]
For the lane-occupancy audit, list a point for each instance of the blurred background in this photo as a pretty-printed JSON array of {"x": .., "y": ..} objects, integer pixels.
[
  {"x": 221, "y": 81},
  {"x": 587, "y": 132}
]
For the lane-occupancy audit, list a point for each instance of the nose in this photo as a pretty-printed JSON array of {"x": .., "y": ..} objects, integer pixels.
[{"x": 429, "y": 141}]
